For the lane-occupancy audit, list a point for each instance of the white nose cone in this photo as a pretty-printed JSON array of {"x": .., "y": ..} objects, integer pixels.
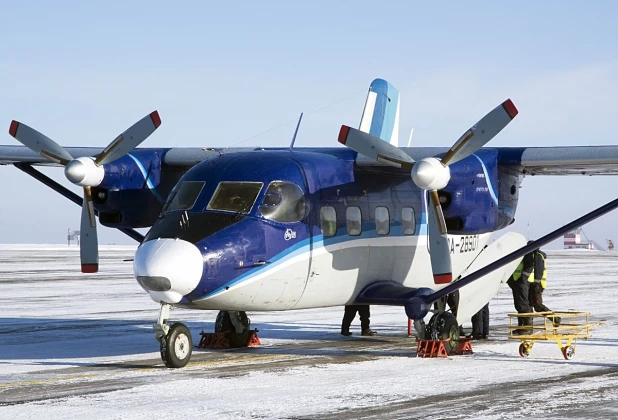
[
  {"x": 430, "y": 174},
  {"x": 168, "y": 269},
  {"x": 83, "y": 171}
]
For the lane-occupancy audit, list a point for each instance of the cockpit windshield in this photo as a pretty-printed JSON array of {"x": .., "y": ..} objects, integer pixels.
[
  {"x": 283, "y": 202},
  {"x": 185, "y": 196},
  {"x": 237, "y": 197}
]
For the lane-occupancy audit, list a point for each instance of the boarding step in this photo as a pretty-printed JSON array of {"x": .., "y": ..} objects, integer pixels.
[
  {"x": 219, "y": 340},
  {"x": 436, "y": 348}
]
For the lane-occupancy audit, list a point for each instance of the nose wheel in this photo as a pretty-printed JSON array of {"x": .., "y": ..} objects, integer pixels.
[
  {"x": 177, "y": 346},
  {"x": 176, "y": 343}
]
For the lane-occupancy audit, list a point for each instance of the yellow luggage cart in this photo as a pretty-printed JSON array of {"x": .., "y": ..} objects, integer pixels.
[{"x": 555, "y": 325}]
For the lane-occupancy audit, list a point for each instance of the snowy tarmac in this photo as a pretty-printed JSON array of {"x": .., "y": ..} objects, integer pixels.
[{"x": 76, "y": 346}]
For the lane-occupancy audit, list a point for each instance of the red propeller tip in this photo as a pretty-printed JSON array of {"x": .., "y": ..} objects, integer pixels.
[
  {"x": 510, "y": 109},
  {"x": 13, "y": 128},
  {"x": 90, "y": 268},
  {"x": 442, "y": 278},
  {"x": 156, "y": 120},
  {"x": 343, "y": 134}
]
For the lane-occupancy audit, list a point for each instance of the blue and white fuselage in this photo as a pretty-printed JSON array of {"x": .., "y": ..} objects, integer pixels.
[{"x": 309, "y": 229}]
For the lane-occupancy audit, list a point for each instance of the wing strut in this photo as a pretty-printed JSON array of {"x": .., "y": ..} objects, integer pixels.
[{"x": 44, "y": 179}]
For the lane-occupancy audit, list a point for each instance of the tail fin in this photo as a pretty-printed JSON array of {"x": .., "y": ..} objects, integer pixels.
[{"x": 381, "y": 113}]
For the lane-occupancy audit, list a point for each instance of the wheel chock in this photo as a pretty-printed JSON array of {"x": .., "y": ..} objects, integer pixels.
[
  {"x": 436, "y": 348},
  {"x": 213, "y": 341},
  {"x": 219, "y": 340},
  {"x": 464, "y": 346},
  {"x": 431, "y": 348},
  {"x": 254, "y": 340}
]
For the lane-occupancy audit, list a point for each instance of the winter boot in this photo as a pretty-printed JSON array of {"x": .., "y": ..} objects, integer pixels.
[{"x": 369, "y": 332}]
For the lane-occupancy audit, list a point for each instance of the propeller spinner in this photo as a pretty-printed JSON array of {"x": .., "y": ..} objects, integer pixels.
[
  {"x": 433, "y": 174},
  {"x": 86, "y": 172}
]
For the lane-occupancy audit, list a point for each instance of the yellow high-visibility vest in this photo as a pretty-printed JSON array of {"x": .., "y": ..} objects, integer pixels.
[
  {"x": 543, "y": 279},
  {"x": 518, "y": 270}
]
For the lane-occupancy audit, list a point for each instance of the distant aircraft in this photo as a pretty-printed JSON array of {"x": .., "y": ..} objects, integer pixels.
[{"x": 244, "y": 229}]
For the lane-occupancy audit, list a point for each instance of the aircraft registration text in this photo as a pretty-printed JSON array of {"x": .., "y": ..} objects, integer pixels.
[{"x": 467, "y": 243}]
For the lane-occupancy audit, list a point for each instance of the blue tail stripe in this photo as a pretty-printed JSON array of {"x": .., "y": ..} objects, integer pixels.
[{"x": 385, "y": 110}]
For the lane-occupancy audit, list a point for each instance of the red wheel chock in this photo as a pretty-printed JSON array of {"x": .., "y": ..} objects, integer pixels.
[
  {"x": 219, "y": 340},
  {"x": 436, "y": 348},
  {"x": 213, "y": 341},
  {"x": 254, "y": 340}
]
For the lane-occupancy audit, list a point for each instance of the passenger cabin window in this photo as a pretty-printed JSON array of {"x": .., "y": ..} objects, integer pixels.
[
  {"x": 353, "y": 220},
  {"x": 185, "y": 196},
  {"x": 408, "y": 222},
  {"x": 382, "y": 221},
  {"x": 237, "y": 197},
  {"x": 328, "y": 221},
  {"x": 283, "y": 202}
]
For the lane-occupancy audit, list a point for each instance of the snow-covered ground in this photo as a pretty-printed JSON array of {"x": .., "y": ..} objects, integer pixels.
[{"x": 76, "y": 346}]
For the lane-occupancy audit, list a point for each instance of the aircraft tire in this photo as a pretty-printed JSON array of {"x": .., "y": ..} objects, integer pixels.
[
  {"x": 177, "y": 346},
  {"x": 443, "y": 326},
  {"x": 224, "y": 323}
]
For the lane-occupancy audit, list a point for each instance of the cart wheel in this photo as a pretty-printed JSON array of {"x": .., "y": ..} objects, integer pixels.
[
  {"x": 523, "y": 350},
  {"x": 568, "y": 352}
]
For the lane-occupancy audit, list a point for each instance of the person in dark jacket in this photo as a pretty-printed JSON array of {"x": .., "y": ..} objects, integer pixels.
[
  {"x": 348, "y": 317},
  {"x": 519, "y": 282},
  {"x": 538, "y": 284}
]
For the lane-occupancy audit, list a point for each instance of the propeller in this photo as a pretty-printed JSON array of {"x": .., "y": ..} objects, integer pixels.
[
  {"x": 86, "y": 172},
  {"x": 433, "y": 174}
]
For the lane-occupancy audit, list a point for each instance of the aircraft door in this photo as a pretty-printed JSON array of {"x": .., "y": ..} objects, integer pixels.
[
  {"x": 339, "y": 254},
  {"x": 287, "y": 244}
]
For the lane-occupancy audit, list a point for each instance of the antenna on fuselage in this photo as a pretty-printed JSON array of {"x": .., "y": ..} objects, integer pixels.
[{"x": 296, "y": 131}]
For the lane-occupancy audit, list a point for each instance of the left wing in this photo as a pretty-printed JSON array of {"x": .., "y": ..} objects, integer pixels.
[
  {"x": 562, "y": 160},
  {"x": 568, "y": 160},
  {"x": 177, "y": 156}
]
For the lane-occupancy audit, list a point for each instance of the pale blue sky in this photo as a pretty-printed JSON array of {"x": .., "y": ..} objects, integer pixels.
[{"x": 221, "y": 73}]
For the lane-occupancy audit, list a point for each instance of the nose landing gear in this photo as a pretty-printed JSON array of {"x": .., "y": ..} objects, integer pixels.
[{"x": 176, "y": 343}]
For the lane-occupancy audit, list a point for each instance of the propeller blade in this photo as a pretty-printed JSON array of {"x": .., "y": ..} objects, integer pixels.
[
  {"x": 481, "y": 133},
  {"x": 39, "y": 143},
  {"x": 130, "y": 139},
  {"x": 88, "y": 245},
  {"x": 439, "y": 250},
  {"x": 374, "y": 148}
]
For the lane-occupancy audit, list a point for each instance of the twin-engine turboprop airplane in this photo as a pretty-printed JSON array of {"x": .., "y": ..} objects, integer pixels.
[{"x": 239, "y": 230}]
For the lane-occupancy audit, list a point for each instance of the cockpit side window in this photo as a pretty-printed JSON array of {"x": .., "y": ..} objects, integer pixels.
[
  {"x": 283, "y": 202},
  {"x": 185, "y": 196},
  {"x": 237, "y": 197}
]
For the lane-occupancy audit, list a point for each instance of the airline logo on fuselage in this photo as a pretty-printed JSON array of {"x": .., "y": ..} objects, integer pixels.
[{"x": 289, "y": 234}]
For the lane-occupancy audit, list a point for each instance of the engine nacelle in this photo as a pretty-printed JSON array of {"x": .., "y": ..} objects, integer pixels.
[
  {"x": 481, "y": 196},
  {"x": 131, "y": 194}
]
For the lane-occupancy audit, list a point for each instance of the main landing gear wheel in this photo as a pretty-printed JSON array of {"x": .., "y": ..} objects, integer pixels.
[
  {"x": 177, "y": 346},
  {"x": 568, "y": 352},
  {"x": 444, "y": 326},
  {"x": 236, "y": 323}
]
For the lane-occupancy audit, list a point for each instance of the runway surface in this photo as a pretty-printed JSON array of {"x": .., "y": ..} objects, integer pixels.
[{"x": 76, "y": 346}]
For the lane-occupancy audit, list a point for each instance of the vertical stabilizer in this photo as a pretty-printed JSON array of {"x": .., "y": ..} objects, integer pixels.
[{"x": 381, "y": 114}]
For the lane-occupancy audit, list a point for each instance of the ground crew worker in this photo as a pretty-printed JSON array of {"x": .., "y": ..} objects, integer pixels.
[
  {"x": 480, "y": 324},
  {"x": 519, "y": 282},
  {"x": 538, "y": 284},
  {"x": 348, "y": 317}
]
